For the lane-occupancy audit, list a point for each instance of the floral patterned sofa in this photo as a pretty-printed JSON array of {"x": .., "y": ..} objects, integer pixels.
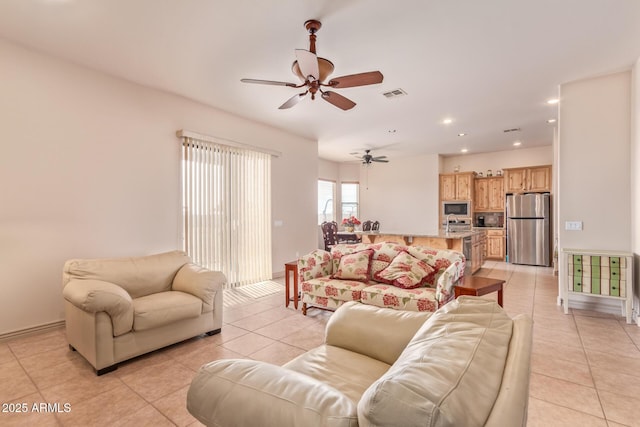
[{"x": 383, "y": 274}]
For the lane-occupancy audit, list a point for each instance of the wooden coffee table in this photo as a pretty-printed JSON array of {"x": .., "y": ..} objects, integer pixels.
[{"x": 478, "y": 286}]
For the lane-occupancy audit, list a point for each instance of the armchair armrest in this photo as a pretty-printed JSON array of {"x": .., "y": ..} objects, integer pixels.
[
  {"x": 94, "y": 296},
  {"x": 249, "y": 392},
  {"x": 380, "y": 333},
  {"x": 446, "y": 281},
  {"x": 315, "y": 264},
  {"x": 198, "y": 281}
]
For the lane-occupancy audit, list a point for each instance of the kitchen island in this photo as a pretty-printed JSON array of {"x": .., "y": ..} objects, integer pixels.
[{"x": 470, "y": 243}]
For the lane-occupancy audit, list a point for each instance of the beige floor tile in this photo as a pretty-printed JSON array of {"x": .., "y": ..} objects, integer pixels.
[
  {"x": 174, "y": 407},
  {"x": 31, "y": 345},
  {"x": 620, "y": 409},
  {"x": 81, "y": 388},
  {"x": 104, "y": 409},
  {"x": 564, "y": 393},
  {"x": 68, "y": 370},
  {"x": 550, "y": 349},
  {"x": 6, "y": 355},
  {"x": 615, "y": 382},
  {"x": 248, "y": 344},
  {"x": 545, "y": 414},
  {"x": 134, "y": 365},
  {"x": 148, "y": 416},
  {"x": 195, "y": 359},
  {"x": 277, "y": 353},
  {"x": 614, "y": 345},
  {"x": 614, "y": 363},
  {"x": 561, "y": 337},
  {"x": 154, "y": 382},
  {"x": 562, "y": 369},
  {"x": 560, "y": 324},
  {"x": 307, "y": 338},
  {"x": 29, "y": 411},
  {"x": 281, "y": 328},
  {"x": 14, "y": 382},
  {"x": 48, "y": 358}
]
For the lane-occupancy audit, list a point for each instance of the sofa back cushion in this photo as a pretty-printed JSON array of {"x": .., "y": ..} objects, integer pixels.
[
  {"x": 139, "y": 276},
  {"x": 438, "y": 259},
  {"x": 450, "y": 372}
]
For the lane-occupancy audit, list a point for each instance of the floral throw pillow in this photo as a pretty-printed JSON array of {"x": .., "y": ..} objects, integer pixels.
[
  {"x": 355, "y": 266},
  {"x": 405, "y": 271}
]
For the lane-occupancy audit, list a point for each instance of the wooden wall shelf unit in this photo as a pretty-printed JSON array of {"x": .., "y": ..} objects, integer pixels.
[{"x": 598, "y": 274}]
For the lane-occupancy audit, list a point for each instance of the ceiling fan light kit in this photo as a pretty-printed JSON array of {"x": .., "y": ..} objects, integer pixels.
[{"x": 313, "y": 71}]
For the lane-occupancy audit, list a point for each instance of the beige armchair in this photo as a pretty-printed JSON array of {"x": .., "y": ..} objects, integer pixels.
[{"x": 120, "y": 308}]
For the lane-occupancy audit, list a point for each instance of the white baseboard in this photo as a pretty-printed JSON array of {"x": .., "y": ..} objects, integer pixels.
[{"x": 34, "y": 330}]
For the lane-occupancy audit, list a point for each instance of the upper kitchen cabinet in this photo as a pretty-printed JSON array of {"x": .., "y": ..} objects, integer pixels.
[
  {"x": 488, "y": 194},
  {"x": 533, "y": 179},
  {"x": 456, "y": 186}
]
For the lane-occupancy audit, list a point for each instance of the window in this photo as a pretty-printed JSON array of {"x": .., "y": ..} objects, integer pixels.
[
  {"x": 326, "y": 201},
  {"x": 227, "y": 210},
  {"x": 350, "y": 192}
]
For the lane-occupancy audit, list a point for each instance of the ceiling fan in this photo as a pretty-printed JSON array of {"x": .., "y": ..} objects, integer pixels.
[
  {"x": 313, "y": 71},
  {"x": 367, "y": 159}
]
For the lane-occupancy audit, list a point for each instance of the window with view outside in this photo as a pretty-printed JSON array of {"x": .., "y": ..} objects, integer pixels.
[
  {"x": 326, "y": 201},
  {"x": 349, "y": 201}
]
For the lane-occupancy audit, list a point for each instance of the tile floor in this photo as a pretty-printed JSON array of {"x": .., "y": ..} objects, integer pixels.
[{"x": 585, "y": 366}]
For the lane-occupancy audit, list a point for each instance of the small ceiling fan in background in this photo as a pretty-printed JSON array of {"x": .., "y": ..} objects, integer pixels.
[
  {"x": 368, "y": 159},
  {"x": 313, "y": 71}
]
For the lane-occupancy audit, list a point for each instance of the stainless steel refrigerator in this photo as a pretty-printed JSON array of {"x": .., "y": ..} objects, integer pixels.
[{"x": 528, "y": 229}]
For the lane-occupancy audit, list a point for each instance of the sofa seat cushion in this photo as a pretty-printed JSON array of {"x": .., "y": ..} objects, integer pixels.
[
  {"x": 449, "y": 374},
  {"x": 164, "y": 308},
  {"x": 338, "y": 289},
  {"x": 382, "y": 295},
  {"x": 349, "y": 372}
]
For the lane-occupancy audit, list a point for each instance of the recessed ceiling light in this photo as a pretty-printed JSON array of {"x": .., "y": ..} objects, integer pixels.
[
  {"x": 391, "y": 131},
  {"x": 447, "y": 121},
  {"x": 462, "y": 134},
  {"x": 517, "y": 144},
  {"x": 464, "y": 150},
  {"x": 553, "y": 101},
  {"x": 551, "y": 121}
]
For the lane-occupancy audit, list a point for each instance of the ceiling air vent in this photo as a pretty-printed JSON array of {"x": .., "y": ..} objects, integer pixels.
[
  {"x": 395, "y": 93},
  {"x": 512, "y": 130}
]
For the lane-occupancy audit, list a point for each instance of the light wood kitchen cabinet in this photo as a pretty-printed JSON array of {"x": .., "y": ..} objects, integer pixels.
[
  {"x": 535, "y": 178},
  {"x": 489, "y": 194},
  {"x": 478, "y": 250},
  {"x": 495, "y": 244},
  {"x": 456, "y": 186}
]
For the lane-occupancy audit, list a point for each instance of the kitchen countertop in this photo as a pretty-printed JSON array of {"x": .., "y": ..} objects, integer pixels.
[{"x": 440, "y": 234}]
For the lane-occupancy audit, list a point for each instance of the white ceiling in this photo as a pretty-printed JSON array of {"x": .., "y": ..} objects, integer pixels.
[{"x": 490, "y": 65}]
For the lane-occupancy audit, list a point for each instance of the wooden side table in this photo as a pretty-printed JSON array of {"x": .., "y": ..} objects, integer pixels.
[
  {"x": 478, "y": 286},
  {"x": 291, "y": 267}
]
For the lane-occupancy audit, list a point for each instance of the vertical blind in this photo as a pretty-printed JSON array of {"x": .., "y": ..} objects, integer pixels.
[{"x": 226, "y": 198}]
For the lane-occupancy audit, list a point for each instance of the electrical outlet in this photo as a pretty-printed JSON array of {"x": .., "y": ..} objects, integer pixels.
[{"x": 573, "y": 225}]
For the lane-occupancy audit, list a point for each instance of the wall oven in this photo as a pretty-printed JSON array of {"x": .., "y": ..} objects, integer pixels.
[{"x": 460, "y": 208}]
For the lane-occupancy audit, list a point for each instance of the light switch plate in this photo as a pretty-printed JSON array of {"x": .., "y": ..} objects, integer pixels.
[{"x": 573, "y": 225}]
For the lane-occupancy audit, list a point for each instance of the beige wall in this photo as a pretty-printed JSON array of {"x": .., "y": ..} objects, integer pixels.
[
  {"x": 595, "y": 163},
  {"x": 481, "y": 162},
  {"x": 89, "y": 167},
  {"x": 635, "y": 175},
  {"x": 402, "y": 194}
]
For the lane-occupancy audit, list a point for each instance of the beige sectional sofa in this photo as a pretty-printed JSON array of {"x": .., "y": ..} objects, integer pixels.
[
  {"x": 467, "y": 364},
  {"x": 384, "y": 274},
  {"x": 119, "y": 308}
]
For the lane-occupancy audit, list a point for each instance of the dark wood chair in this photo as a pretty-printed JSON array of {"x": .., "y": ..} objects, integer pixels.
[
  {"x": 375, "y": 226},
  {"x": 329, "y": 234},
  {"x": 366, "y": 226}
]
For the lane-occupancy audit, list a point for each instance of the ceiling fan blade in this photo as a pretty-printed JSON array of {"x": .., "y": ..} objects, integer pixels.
[
  {"x": 268, "y": 82},
  {"x": 380, "y": 157},
  {"x": 308, "y": 63},
  {"x": 379, "y": 160},
  {"x": 362, "y": 79},
  {"x": 338, "y": 100},
  {"x": 293, "y": 100}
]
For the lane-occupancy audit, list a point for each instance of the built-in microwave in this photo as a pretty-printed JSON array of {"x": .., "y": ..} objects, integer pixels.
[{"x": 459, "y": 208}]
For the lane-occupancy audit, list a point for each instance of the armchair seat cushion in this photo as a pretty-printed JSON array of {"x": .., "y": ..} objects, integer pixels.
[
  {"x": 164, "y": 308},
  {"x": 382, "y": 295}
]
